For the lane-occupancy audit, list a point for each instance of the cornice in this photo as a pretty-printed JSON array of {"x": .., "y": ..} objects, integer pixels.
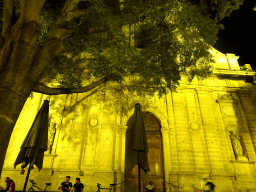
[{"x": 233, "y": 72}]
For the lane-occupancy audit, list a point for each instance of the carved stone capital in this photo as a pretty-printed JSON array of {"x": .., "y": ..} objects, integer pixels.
[{"x": 226, "y": 97}]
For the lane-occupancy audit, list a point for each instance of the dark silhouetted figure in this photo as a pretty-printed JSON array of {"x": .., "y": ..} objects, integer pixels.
[{"x": 78, "y": 186}]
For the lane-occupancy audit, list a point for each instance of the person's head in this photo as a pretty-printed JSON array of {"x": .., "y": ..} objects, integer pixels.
[
  {"x": 205, "y": 179},
  {"x": 150, "y": 183},
  {"x": 77, "y": 180},
  {"x": 67, "y": 178},
  {"x": 7, "y": 179}
]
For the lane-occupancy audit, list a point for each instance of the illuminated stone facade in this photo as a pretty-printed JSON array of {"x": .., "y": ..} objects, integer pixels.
[{"x": 208, "y": 129}]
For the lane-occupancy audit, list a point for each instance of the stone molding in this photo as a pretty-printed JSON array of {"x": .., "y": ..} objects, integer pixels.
[
  {"x": 242, "y": 161},
  {"x": 244, "y": 93}
]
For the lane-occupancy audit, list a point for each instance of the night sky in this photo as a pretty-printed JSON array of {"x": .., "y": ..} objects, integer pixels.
[{"x": 239, "y": 35}]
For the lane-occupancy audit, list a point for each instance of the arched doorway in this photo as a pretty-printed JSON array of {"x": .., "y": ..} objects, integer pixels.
[{"x": 155, "y": 158}]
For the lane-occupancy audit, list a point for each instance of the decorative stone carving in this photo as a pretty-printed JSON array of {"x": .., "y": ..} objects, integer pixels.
[
  {"x": 238, "y": 146},
  {"x": 229, "y": 83},
  {"x": 93, "y": 122},
  {"x": 225, "y": 96},
  {"x": 31, "y": 96},
  {"x": 194, "y": 126},
  {"x": 241, "y": 83}
]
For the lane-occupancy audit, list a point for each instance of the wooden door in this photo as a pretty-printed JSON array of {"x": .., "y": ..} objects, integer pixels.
[{"x": 155, "y": 159}]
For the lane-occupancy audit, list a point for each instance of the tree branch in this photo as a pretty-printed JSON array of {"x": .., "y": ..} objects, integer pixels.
[
  {"x": 52, "y": 44},
  {"x": 68, "y": 12},
  {"x": 41, "y": 4},
  {"x": 30, "y": 10},
  {"x": 8, "y": 11},
  {"x": 41, "y": 88},
  {"x": 70, "y": 5}
]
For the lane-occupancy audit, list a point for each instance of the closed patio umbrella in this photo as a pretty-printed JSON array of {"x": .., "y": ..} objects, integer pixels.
[
  {"x": 137, "y": 148},
  {"x": 35, "y": 144}
]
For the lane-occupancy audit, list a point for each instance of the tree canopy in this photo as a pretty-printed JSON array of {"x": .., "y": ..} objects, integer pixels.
[{"x": 154, "y": 40}]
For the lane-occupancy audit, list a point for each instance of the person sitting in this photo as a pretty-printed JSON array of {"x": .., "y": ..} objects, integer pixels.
[{"x": 10, "y": 185}]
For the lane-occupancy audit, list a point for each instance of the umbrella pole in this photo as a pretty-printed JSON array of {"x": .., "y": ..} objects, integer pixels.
[
  {"x": 29, "y": 168},
  {"x": 26, "y": 181},
  {"x": 138, "y": 172},
  {"x": 139, "y": 178}
]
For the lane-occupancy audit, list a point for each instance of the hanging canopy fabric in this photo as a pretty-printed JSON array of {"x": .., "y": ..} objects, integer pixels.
[
  {"x": 136, "y": 143},
  {"x": 35, "y": 144}
]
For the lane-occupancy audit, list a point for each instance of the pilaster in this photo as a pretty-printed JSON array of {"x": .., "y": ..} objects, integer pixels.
[
  {"x": 199, "y": 150},
  {"x": 184, "y": 154},
  {"x": 167, "y": 156},
  {"x": 211, "y": 133}
]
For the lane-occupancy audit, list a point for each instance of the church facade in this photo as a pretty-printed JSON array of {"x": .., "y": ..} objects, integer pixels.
[{"x": 206, "y": 129}]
